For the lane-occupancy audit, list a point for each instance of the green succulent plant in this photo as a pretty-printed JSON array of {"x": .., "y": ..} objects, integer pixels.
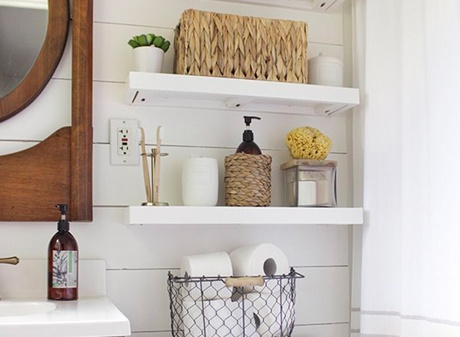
[{"x": 150, "y": 39}]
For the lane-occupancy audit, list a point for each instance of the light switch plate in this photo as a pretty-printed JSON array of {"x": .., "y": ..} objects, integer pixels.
[{"x": 124, "y": 142}]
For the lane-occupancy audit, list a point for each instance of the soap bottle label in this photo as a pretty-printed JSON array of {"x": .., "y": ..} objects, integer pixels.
[{"x": 65, "y": 272}]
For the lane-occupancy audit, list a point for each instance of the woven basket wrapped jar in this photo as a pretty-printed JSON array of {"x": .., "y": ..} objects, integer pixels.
[
  {"x": 247, "y": 180},
  {"x": 234, "y": 46}
]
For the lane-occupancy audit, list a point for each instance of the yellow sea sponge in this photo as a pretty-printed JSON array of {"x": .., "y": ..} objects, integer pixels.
[{"x": 306, "y": 142}]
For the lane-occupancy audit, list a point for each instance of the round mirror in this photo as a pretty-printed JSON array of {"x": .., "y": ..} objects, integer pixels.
[
  {"x": 22, "y": 32},
  {"x": 27, "y": 71}
]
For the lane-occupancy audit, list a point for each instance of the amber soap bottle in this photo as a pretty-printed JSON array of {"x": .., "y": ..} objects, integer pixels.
[
  {"x": 248, "y": 145},
  {"x": 63, "y": 262}
]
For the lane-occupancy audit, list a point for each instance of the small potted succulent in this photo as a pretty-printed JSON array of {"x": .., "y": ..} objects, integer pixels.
[{"x": 149, "y": 50}]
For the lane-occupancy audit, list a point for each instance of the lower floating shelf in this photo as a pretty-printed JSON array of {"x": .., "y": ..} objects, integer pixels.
[{"x": 243, "y": 215}]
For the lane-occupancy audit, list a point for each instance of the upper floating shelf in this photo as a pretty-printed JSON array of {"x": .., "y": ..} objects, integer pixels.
[{"x": 157, "y": 89}]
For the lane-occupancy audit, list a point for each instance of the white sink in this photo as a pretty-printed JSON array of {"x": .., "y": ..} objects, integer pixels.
[
  {"x": 24, "y": 308},
  {"x": 86, "y": 317},
  {"x": 25, "y": 311}
]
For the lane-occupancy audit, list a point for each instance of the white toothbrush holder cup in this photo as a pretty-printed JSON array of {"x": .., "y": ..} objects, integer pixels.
[{"x": 200, "y": 182}]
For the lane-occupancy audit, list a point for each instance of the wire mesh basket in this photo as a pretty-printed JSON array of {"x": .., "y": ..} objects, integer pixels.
[{"x": 232, "y": 306}]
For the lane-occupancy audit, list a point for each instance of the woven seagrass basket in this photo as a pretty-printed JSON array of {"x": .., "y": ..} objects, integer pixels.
[
  {"x": 247, "y": 180},
  {"x": 225, "y": 45}
]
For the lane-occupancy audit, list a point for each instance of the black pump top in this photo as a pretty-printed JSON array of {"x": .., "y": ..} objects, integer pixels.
[
  {"x": 248, "y": 145},
  {"x": 63, "y": 224},
  {"x": 248, "y": 135},
  {"x": 248, "y": 119}
]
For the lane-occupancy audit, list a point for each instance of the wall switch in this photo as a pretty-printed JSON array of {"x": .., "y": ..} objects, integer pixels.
[{"x": 124, "y": 142}]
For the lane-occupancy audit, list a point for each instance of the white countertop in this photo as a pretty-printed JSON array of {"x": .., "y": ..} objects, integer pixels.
[{"x": 86, "y": 317}]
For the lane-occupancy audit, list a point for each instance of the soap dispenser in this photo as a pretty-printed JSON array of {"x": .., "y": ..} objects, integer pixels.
[
  {"x": 63, "y": 261},
  {"x": 248, "y": 145}
]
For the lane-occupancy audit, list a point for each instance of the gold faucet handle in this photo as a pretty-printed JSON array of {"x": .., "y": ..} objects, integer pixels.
[{"x": 10, "y": 260}]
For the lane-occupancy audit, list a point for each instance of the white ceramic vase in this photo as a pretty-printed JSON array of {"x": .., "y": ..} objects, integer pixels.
[{"x": 148, "y": 59}]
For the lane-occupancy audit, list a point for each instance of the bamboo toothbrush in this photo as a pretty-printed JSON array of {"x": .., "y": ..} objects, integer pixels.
[
  {"x": 156, "y": 179},
  {"x": 145, "y": 167}
]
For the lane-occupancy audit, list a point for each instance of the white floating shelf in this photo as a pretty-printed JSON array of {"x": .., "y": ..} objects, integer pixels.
[
  {"x": 242, "y": 215},
  {"x": 157, "y": 89},
  {"x": 323, "y": 6}
]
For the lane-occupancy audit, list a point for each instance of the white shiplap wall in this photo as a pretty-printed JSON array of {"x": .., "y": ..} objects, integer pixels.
[{"x": 138, "y": 257}]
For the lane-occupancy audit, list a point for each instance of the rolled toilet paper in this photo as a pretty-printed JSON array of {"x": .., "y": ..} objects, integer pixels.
[
  {"x": 192, "y": 318},
  {"x": 208, "y": 265},
  {"x": 268, "y": 314},
  {"x": 264, "y": 259},
  {"x": 221, "y": 317},
  {"x": 211, "y": 318},
  {"x": 258, "y": 260}
]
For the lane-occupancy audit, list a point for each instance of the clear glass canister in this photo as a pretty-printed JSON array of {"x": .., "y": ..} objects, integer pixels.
[{"x": 310, "y": 183}]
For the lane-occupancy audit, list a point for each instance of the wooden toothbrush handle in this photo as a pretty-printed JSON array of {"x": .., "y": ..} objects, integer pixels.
[{"x": 10, "y": 260}]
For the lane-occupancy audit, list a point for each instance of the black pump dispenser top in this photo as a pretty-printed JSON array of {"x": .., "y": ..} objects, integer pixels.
[
  {"x": 248, "y": 145},
  {"x": 63, "y": 224}
]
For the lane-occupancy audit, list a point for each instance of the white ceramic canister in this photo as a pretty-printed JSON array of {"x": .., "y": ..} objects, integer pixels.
[
  {"x": 200, "y": 182},
  {"x": 325, "y": 70}
]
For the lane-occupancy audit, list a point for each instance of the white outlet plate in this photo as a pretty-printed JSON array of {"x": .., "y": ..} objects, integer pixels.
[{"x": 124, "y": 142}]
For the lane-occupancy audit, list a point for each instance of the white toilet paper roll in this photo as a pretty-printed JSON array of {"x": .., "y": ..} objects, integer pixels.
[
  {"x": 259, "y": 260},
  {"x": 192, "y": 317},
  {"x": 209, "y": 265},
  {"x": 211, "y": 318},
  {"x": 221, "y": 317},
  {"x": 266, "y": 316},
  {"x": 264, "y": 259}
]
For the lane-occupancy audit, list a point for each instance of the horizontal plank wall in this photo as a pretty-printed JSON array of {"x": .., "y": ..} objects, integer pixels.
[{"x": 139, "y": 257}]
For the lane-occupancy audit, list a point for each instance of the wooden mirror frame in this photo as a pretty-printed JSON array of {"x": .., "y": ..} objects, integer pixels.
[
  {"x": 59, "y": 169},
  {"x": 46, "y": 63}
]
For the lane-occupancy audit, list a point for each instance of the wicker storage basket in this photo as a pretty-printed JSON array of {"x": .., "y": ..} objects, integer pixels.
[
  {"x": 224, "y": 45},
  {"x": 247, "y": 180}
]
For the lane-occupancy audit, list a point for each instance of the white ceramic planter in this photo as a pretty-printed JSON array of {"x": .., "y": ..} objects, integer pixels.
[{"x": 148, "y": 59}]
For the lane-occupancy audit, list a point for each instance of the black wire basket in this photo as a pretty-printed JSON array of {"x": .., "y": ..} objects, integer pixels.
[{"x": 232, "y": 306}]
